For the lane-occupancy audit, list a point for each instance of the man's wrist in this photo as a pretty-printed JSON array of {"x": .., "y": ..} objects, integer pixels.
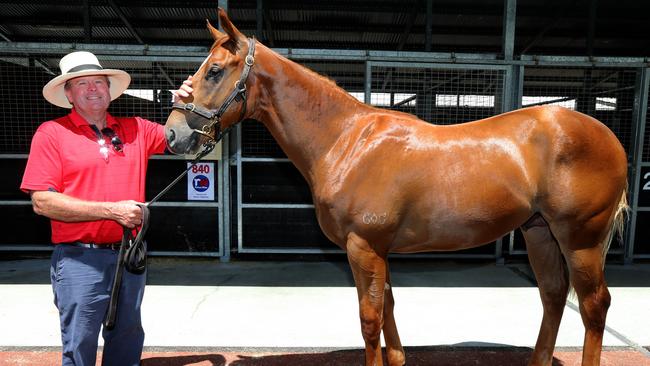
[{"x": 108, "y": 211}]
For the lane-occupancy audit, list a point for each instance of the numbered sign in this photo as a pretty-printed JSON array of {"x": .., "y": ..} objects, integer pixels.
[
  {"x": 644, "y": 188},
  {"x": 200, "y": 182}
]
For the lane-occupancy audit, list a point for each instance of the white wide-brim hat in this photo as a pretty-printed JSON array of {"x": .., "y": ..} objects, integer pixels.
[{"x": 82, "y": 63}]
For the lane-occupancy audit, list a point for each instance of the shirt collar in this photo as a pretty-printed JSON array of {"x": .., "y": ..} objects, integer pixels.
[{"x": 79, "y": 121}]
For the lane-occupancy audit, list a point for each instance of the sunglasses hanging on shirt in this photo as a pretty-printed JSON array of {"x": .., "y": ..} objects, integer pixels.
[{"x": 101, "y": 140}]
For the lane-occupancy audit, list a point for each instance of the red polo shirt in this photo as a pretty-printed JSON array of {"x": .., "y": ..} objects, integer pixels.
[{"x": 65, "y": 157}]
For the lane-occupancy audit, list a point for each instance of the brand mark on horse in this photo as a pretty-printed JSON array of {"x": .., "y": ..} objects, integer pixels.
[{"x": 372, "y": 218}]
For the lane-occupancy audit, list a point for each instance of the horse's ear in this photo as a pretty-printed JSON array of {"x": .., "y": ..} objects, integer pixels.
[
  {"x": 216, "y": 35},
  {"x": 236, "y": 37},
  {"x": 222, "y": 39}
]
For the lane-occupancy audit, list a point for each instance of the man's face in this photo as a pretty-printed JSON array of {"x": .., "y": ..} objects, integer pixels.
[{"x": 89, "y": 93}]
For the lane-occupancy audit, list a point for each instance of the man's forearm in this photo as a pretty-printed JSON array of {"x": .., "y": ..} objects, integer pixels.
[{"x": 61, "y": 207}]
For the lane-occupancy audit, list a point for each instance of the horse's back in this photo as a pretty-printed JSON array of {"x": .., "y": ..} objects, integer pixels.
[
  {"x": 577, "y": 150},
  {"x": 559, "y": 138}
]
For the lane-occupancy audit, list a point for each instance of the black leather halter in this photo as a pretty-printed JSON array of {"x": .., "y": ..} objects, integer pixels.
[{"x": 214, "y": 116}]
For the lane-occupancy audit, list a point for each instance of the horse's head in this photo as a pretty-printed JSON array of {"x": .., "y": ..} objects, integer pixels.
[{"x": 220, "y": 93}]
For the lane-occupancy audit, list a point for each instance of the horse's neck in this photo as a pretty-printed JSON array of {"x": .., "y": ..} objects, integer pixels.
[{"x": 304, "y": 112}]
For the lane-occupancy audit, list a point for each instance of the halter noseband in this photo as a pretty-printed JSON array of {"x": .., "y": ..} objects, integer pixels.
[{"x": 214, "y": 116}]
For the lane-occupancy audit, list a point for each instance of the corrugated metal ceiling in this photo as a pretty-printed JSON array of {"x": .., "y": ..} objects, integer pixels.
[{"x": 559, "y": 27}]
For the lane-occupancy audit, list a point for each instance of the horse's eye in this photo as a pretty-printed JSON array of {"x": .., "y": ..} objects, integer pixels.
[{"x": 215, "y": 73}]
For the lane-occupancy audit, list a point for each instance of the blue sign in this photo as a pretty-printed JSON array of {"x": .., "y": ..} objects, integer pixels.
[{"x": 201, "y": 183}]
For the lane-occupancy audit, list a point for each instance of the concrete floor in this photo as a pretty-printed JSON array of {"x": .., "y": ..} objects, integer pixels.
[{"x": 311, "y": 305}]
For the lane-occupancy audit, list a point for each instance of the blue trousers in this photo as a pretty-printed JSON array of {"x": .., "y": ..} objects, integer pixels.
[{"x": 81, "y": 281}]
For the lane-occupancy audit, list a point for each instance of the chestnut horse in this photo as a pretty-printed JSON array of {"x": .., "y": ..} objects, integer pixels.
[{"x": 386, "y": 182}]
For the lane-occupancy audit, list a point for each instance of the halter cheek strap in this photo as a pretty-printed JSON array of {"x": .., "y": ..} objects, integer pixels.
[{"x": 214, "y": 116}]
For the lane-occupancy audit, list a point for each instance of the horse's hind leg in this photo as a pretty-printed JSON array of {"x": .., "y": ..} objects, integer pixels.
[
  {"x": 552, "y": 277},
  {"x": 583, "y": 246},
  {"x": 370, "y": 275},
  {"x": 588, "y": 280}
]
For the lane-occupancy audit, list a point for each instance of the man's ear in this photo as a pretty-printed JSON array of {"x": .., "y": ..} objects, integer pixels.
[{"x": 66, "y": 91}]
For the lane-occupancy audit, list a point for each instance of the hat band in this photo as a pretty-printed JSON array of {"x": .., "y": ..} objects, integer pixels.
[{"x": 85, "y": 67}]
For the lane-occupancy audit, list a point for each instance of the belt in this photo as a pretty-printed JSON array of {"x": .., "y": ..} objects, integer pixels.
[{"x": 112, "y": 246}]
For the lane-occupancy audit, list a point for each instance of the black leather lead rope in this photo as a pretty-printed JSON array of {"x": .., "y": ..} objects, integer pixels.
[
  {"x": 132, "y": 255},
  {"x": 135, "y": 254},
  {"x": 111, "y": 313}
]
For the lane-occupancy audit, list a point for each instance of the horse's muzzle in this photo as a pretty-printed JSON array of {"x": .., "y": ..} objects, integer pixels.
[{"x": 181, "y": 140}]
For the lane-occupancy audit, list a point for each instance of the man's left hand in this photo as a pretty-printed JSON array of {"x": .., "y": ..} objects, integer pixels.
[{"x": 185, "y": 91}]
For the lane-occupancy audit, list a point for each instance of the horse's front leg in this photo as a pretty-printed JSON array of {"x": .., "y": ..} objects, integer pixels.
[
  {"x": 369, "y": 271},
  {"x": 394, "y": 350}
]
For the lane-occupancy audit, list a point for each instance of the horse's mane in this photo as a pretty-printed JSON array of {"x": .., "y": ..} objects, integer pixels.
[
  {"x": 324, "y": 78},
  {"x": 321, "y": 78}
]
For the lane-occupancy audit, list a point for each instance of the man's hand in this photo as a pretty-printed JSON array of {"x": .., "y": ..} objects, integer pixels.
[
  {"x": 185, "y": 91},
  {"x": 126, "y": 213}
]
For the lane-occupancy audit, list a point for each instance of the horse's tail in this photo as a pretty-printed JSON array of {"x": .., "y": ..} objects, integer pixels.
[{"x": 618, "y": 225}]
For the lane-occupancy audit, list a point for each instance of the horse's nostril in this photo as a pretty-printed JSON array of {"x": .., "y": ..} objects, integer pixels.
[{"x": 171, "y": 135}]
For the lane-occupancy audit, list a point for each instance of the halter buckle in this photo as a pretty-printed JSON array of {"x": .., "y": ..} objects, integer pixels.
[
  {"x": 207, "y": 129},
  {"x": 249, "y": 60},
  {"x": 240, "y": 85},
  {"x": 189, "y": 107}
]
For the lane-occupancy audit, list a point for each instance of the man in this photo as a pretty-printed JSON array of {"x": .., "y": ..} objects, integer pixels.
[{"x": 86, "y": 172}]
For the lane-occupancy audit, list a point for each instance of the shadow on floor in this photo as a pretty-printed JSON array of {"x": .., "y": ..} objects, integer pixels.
[
  {"x": 210, "y": 359},
  {"x": 415, "y": 356}
]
